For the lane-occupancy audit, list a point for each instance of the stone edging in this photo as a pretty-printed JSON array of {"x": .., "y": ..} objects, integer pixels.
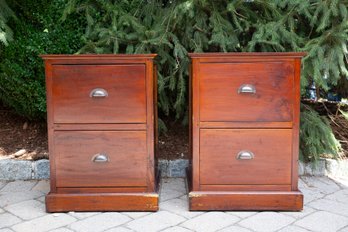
[
  {"x": 28, "y": 170},
  {"x": 24, "y": 169}
]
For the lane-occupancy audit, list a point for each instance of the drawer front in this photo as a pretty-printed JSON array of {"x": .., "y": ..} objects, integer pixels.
[
  {"x": 259, "y": 91},
  {"x": 266, "y": 159},
  {"x": 99, "y": 94},
  {"x": 77, "y": 155}
]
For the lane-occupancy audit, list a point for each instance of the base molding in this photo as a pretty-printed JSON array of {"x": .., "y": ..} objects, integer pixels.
[
  {"x": 248, "y": 200},
  {"x": 102, "y": 202}
]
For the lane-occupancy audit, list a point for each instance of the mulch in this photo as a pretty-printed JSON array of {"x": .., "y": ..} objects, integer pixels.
[
  {"x": 27, "y": 140},
  {"x": 23, "y": 139},
  {"x": 20, "y": 138},
  {"x": 338, "y": 122}
]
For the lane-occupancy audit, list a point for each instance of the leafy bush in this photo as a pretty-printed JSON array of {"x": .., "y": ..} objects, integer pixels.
[
  {"x": 174, "y": 28},
  {"x": 316, "y": 136},
  {"x": 38, "y": 31},
  {"x": 5, "y": 30}
]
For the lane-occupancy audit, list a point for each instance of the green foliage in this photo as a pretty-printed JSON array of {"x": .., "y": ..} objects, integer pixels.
[
  {"x": 38, "y": 31},
  {"x": 6, "y": 13},
  {"x": 172, "y": 29},
  {"x": 316, "y": 136},
  {"x": 345, "y": 114}
]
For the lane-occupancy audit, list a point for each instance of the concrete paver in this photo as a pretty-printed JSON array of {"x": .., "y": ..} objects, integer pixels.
[
  {"x": 323, "y": 221},
  {"x": 325, "y": 209},
  {"x": 135, "y": 215},
  {"x": 61, "y": 230},
  {"x": 119, "y": 229},
  {"x": 8, "y": 220},
  {"x": 210, "y": 221},
  {"x": 179, "y": 207},
  {"x": 242, "y": 214},
  {"x": 18, "y": 186},
  {"x": 330, "y": 206},
  {"x": 10, "y": 198},
  {"x": 235, "y": 229},
  {"x": 293, "y": 229},
  {"x": 99, "y": 222},
  {"x": 267, "y": 221},
  {"x": 176, "y": 229},
  {"x": 155, "y": 222},
  {"x": 6, "y": 230},
  {"x": 345, "y": 229},
  {"x": 339, "y": 196},
  {"x": 45, "y": 223},
  {"x": 27, "y": 209},
  {"x": 306, "y": 210},
  {"x": 42, "y": 186},
  {"x": 2, "y": 184},
  {"x": 83, "y": 215}
]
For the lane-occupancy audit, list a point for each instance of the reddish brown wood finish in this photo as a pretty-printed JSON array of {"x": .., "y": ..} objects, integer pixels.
[
  {"x": 219, "y": 149},
  {"x": 126, "y": 151},
  {"x": 125, "y": 85},
  {"x": 245, "y": 200},
  {"x": 225, "y": 122},
  {"x": 220, "y": 100},
  {"x": 121, "y": 125},
  {"x": 102, "y": 202}
]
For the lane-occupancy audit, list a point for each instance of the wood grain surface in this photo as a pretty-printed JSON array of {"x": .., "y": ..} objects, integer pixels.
[
  {"x": 271, "y": 163},
  {"x": 125, "y": 85},
  {"x": 258, "y": 200},
  {"x": 126, "y": 150},
  {"x": 225, "y": 121},
  {"x": 102, "y": 202},
  {"x": 272, "y": 102},
  {"x": 121, "y": 125}
]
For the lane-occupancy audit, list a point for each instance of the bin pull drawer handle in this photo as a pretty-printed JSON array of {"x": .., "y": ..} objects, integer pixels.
[
  {"x": 98, "y": 93},
  {"x": 247, "y": 88},
  {"x": 245, "y": 155},
  {"x": 100, "y": 158}
]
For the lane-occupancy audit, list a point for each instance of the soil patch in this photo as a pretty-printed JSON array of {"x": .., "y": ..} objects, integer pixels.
[
  {"x": 26, "y": 140},
  {"x": 20, "y": 138}
]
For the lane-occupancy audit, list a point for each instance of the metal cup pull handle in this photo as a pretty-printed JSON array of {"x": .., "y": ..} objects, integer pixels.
[
  {"x": 247, "y": 88},
  {"x": 98, "y": 93},
  {"x": 100, "y": 158},
  {"x": 245, "y": 155}
]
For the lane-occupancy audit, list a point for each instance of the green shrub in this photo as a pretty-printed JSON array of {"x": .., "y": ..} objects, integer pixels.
[
  {"x": 316, "y": 136},
  {"x": 38, "y": 30},
  {"x": 173, "y": 28},
  {"x": 5, "y": 31}
]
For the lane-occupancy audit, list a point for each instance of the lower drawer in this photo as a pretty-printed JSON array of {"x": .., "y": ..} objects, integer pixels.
[
  {"x": 245, "y": 157},
  {"x": 100, "y": 158}
]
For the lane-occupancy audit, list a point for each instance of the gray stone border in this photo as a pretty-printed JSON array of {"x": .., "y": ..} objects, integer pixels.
[
  {"x": 24, "y": 170},
  {"x": 29, "y": 170}
]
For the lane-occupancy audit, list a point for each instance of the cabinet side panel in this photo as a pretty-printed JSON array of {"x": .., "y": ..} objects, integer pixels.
[
  {"x": 296, "y": 121},
  {"x": 155, "y": 106},
  {"x": 195, "y": 124},
  {"x": 189, "y": 171},
  {"x": 150, "y": 118},
  {"x": 50, "y": 129}
]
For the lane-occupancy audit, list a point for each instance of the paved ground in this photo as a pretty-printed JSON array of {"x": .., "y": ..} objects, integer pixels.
[{"x": 326, "y": 209}]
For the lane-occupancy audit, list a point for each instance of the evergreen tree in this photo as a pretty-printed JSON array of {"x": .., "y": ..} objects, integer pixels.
[
  {"x": 174, "y": 28},
  {"x": 6, "y": 33}
]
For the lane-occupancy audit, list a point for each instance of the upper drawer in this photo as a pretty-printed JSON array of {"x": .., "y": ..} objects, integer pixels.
[
  {"x": 99, "y": 94},
  {"x": 255, "y": 91}
]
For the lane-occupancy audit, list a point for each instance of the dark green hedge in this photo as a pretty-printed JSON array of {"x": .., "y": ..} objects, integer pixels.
[{"x": 37, "y": 30}]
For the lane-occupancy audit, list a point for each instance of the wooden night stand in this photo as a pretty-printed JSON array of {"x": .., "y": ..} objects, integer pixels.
[
  {"x": 102, "y": 131},
  {"x": 244, "y": 131}
]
